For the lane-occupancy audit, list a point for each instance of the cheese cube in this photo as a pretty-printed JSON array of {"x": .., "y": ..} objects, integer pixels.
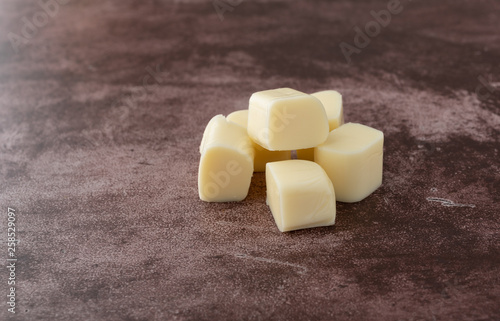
[
  {"x": 226, "y": 164},
  {"x": 262, "y": 155},
  {"x": 300, "y": 195},
  {"x": 286, "y": 119},
  {"x": 352, "y": 158},
  {"x": 332, "y": 102}
]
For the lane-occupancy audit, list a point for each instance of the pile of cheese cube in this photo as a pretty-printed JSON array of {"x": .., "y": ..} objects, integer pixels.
[{"x": 335, "y": 161}]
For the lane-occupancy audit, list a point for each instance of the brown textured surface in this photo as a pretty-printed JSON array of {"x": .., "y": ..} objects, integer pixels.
[{"x": 103, "y": 171}]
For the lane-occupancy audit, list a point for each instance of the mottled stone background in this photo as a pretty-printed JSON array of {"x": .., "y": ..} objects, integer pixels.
[{"x": 102, "y": 110}]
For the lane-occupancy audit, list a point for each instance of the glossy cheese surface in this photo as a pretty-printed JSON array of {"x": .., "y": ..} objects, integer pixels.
[
  {"x": 352, "y": 156},
  {"x": 286, "y": 119},
  {"x": 226, "y": 163},
  {"x": 300, "y": 195}
]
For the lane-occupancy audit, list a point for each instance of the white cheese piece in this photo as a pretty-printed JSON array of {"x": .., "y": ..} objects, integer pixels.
[
  {"x": 226, "y": 164},
  {"x": 300, "y": 195},
  {"x": 286, "y": 119},
  {"x": 352, "y": 157}
]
